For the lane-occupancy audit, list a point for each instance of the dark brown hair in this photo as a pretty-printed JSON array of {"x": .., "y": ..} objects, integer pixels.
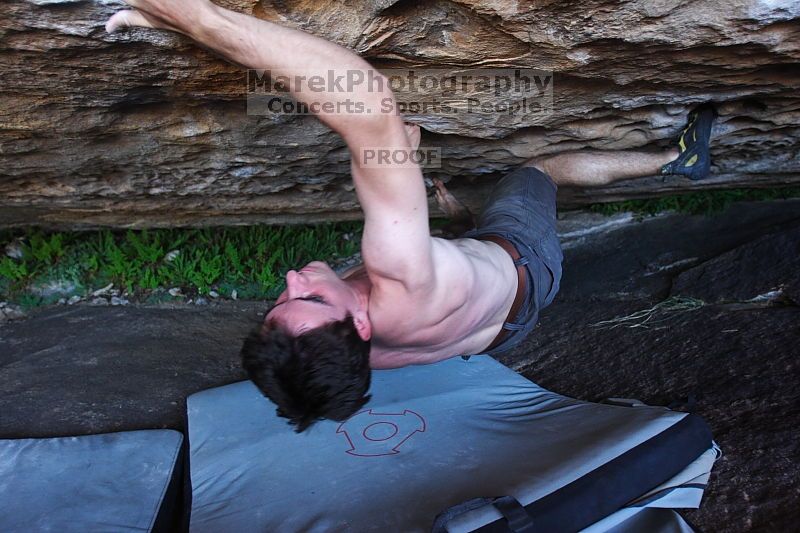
[{"x": 322, "y": 373}]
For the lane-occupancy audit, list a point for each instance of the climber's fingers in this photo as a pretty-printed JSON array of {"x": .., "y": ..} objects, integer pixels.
[
  {"x": 132, "y": 18},
  {"x": 441, "y": 195},
  {"x": 413, "y": 134},
  {"x": 127, "y": 19}
]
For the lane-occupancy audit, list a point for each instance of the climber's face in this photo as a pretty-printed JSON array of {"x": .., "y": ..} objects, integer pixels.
[{"x": 314, "y": 296}]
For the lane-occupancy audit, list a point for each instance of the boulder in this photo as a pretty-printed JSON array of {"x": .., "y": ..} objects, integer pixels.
[
  {"x": 752, "y": 273},
  {"x": 143, "y": 128}
]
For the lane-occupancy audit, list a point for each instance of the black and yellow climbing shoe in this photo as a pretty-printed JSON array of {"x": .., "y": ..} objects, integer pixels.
[{"x": 694, "y": 160}]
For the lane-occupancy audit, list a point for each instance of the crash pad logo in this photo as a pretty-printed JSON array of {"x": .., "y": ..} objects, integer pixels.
[{"x": 372, "y": 434}]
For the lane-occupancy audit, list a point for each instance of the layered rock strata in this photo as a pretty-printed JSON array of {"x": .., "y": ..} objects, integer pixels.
[{"x": 142, "y": 128}]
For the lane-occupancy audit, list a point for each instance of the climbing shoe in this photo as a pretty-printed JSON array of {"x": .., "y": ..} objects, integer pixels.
[{"x": 694, "y": 160}]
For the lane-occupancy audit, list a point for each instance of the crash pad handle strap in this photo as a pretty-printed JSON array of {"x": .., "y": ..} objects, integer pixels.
[
  {"x": 519, "y": 521},
  {"x": 517, "y": 517}
]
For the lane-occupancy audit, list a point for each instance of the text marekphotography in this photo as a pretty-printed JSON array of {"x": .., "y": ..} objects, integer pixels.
[{"x": 421, "y": 92}]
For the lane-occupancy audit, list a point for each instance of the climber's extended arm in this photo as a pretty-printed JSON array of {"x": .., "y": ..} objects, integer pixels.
[{"x": 396, "y": 246}]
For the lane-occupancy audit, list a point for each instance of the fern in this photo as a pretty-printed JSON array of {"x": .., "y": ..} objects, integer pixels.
[{"x": 12, "y": 270}]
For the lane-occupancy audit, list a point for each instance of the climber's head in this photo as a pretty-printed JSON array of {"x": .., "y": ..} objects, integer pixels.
[{"x": 311, "y": 354}]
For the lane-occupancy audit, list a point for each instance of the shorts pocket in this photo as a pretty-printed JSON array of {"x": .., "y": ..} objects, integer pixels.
[{"x": 548, "y": 249}]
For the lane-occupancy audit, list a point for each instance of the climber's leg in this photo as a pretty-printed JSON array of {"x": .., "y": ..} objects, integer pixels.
[
  {"x": 689, "y": 158},
  {"x": 588, "y": 168}
]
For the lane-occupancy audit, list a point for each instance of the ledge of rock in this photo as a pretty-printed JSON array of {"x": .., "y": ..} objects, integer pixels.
[{"x": 143, "y": 128}]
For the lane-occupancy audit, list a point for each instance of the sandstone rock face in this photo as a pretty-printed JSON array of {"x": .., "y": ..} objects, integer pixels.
[{"x": 143, "y": 128}]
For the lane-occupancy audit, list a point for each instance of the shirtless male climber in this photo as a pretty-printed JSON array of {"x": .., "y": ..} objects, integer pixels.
[{"x": 416, "y": 299}]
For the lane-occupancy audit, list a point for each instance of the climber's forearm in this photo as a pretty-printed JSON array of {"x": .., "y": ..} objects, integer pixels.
[
  {"x": 257, "y": 43},
  {"x": 296, "y": 55}
]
